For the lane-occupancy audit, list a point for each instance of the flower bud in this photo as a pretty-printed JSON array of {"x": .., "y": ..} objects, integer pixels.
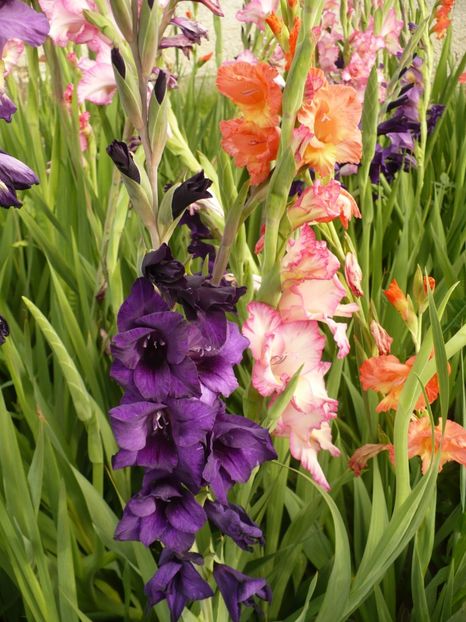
[
  {"x": 122, "y": 13},
  {"x": 160, "y": 87},
  {"x": 148, "y": 36},
  {"x": 403, "y": 304},
  {"x": 192, "y": 190},
  {"x": 421, "y": 286},
  {"x": 382, "y": 339},
  {"x": 123, "y": 160},
  {"x": 4, "y": 330},
  {"x": 118, "y": 62},
  {"x": 127, "y": 88},
  {"x": 353, "y": 274}
]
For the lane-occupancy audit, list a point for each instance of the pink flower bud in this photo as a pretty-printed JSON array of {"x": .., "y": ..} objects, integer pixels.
[{"x": 353, "y": 274}]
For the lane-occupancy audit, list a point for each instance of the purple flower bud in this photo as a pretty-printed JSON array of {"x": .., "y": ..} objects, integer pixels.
[
  {"x": 178, "y": 582},
  {"x": 193, "y": 31},
  {"x": 233, "y": 521},
  {"x": 160, "y": 267},
  {"x": 118, "y": 62},
  {"x": 4, "y": 330},
  {"x": 123, "y": 160},
  {"x": 160, "y": 86},
  {"x": 238, "y": 589},
  {"x": 192, "y": 190},
  {"x": 7, "y": 107},
  {"x": 14, "y": 175}
]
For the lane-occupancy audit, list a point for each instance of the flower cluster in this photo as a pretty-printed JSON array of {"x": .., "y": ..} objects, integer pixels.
[
  {"x": 253, "y": 139},
  {"x": 442, "y": 17},
  {"x": 172, "y": 422},
  {"x": 403, "y": 127}
]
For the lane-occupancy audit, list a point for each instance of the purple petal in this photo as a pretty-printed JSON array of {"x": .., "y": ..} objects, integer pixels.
[
  {"x": 18, "y": 21},
  {"x": 142, "y": 300}
]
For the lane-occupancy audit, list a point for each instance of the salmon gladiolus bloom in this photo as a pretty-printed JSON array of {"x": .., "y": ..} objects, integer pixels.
[
  {"x": 387, "y": 375},
  {"x": 420, "y": 442},
  {"x": 251, "y": 146},
  {"x": 332, "y": 118},
  {"x": 253, "y": 89}
]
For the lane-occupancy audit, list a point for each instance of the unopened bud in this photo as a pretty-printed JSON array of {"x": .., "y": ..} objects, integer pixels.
[
  {"x": 118, "y": 62},
  {"x": 123, "y": 160},
  {"x": 122, "y": 13},
  {"x": 160, "y": 87}
]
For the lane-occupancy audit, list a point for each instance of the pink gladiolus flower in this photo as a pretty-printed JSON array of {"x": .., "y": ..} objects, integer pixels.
[
  {"x": 97, "y": 84},
  {"x": 319, "y": 299},
  {"x": 256, "y": 11},
  {"x": 323, "y": 203},
  {"x": 280, "y": 348},
  {"x": 67, "y": 22},
  {"x": 307, "y": 258},
  {"x": 306, "y": 452},
  {"x": 12, "y": 52},
  {"x": 382, "y": 339},
  {"x": 353, "y": 274}
]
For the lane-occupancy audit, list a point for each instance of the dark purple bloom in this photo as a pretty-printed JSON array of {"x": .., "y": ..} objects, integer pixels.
[
  {"x": 177, "y": 41},
  {"x": 192, "y": 190},
  {"x": 178, "y": 582},
  {"x": 192, "y": 30},
  {"x": 151, "y": 348},
  {"x": 433, "y": 116},
  {"x": 7, "y": 107},
  {"x": 162, "y": 510},
  {"x": 237, "y": 446},
  {"x": 18, "y": 21},
  {"x": 160, "y": 267},
  {"x": 388, "y": 162},
  {"x": 123, "y": 160},
  {"x": 215, "y": 362},
  {"x": 296, "y": 188},
  {"x": 238, "y": 589},
  {"x": 14, "y": 175},
  {"x": 4, "y": 330},
  {"x": 199, "y": 233},
  {"x": 233, "y": 521},
  {"x": 202, "y": 296},
  {"x": 168, "y": 436},
  {"x": 398, "y": 123}
]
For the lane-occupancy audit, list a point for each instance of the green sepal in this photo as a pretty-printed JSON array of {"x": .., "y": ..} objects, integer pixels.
[
  {"x": 122, "y": 13},
  {"x": 158, "y": 126},
  {"x": 148, "y": 36}
]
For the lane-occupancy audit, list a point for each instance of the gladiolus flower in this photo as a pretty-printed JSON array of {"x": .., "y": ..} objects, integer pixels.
[
  {"x": 323, "y": 203},
  {"x": 403, "y": 304},
  {"x": 362, "y": 455},
  {"x": 382, "y": 339},
  {"x": 452, "y": 446},
  {"x": 256, "y": 11},
  {"x": 238, "y": 589},
  {"x": 14, "y": 175},
  {"x": 253, "y": 89},
  {"x": 353, "y": 274},
  {"x": 442, "y": 18},
  {"x": 251, "y": 145},
  {"x": 332, "y": 119},
  {"x": 387, "y": 375},
  {"x": 18, "y": 21},
  {"x": 307, "y": 258}
]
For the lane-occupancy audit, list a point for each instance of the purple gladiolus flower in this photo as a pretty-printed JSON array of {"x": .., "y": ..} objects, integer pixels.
[
  {"x": 160, "y": 267},
  {"x": 18, "y": 21},
  {"x": 7, "y": 107},
  {"x": 151, "y": 348},
  {"x": 178, "y": 582},
  {"x": 193, "y": 189},
  {"x": 215, "y": 363},
  {"x": 199, "y": 233},
  {"x": 168, "y": 436},
  {"x": 191, "y": 30},
  {"x": 14, "y": 175},
  {"x": 162, "y": 510},
  {"x": 4, "y": 330},
  {"x": 233, "y": 521},
  {"x": 238, "y": 589},
  {"x": 237, "y": 446}
]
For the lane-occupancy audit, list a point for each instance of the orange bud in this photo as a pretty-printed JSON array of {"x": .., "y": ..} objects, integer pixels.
[
  {"x": 431, "y": 281},
  {"x": 275, "y": 23}
]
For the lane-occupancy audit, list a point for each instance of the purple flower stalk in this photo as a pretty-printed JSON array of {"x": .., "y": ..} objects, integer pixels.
[{"x": 171, "y": 422}]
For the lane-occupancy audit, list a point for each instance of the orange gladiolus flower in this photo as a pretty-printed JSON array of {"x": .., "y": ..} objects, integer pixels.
[
  {"x": 250, "y": 145},
  {"x": 332, "y": 119},
  {"x": 420, "y": 442},
  {"x": 387, "y": 375},
  {"x": 402, "y": 303},
  {"x": 253, "y": 89},
  {"x": 442, "y": 18}
]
